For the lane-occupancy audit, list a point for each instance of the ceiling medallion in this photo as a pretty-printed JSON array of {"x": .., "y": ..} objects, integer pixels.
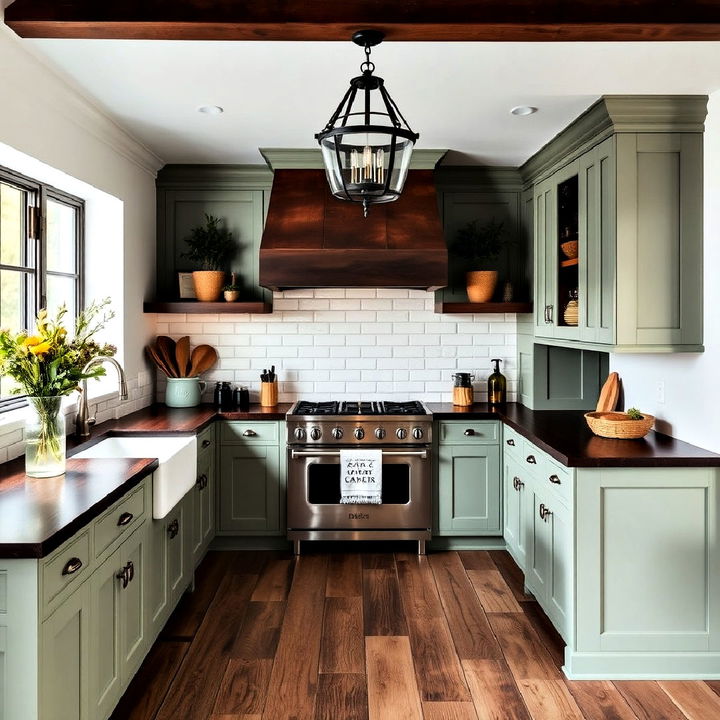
[{"x": 367, "y": 143}]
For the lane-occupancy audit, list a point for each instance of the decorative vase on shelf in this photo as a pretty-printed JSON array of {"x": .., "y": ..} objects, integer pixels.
[
  {"x": 45, "y": 437},
  {"x": 208, "y": 284},
  {"x": 481, "y": 285}
]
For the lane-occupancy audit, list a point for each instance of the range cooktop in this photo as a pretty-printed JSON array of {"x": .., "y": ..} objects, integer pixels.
[{"x": 364, "y": 407}]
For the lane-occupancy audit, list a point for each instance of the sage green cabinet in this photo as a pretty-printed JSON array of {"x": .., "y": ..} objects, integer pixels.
[
  {"x": 516, "y": 509},
  {"x": 237, "y": 195},
  {"x": 65, "y": 659},
  {"x": 638, "y": 183},
  {"x": 251, "y": 486},
  {"x": 118, "y": 629},
  {"x": 203, "y": 497},
  {"x": 469, "y": 482}
]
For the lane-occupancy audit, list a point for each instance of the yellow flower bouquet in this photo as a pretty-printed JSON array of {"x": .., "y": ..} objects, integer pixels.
[{"x": 47, "y": 365}]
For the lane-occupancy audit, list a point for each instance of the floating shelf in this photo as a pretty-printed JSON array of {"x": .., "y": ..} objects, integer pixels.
[
  {"x": 216, "y": 308},
  {"x": 569, "y": 263},
  {"x": 489, "y": 307}
]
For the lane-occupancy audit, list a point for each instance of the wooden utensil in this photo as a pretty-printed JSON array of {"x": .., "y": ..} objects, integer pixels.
[
  {"x": 609, "y": 394},
  {"x": 182, "y": 355},
  {"x": 166, "y": 349},
  {"x": 202, "y": 359},
  {"x": 157, "y": 359}
]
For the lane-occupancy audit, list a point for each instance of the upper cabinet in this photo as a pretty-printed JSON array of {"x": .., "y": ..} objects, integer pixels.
[
  {"x": 236, "y": 194},
  {"x": 617, "y": 212}
]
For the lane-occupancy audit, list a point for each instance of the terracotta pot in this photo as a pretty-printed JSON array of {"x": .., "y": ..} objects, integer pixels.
[
  {"x": 231, "y": 295},
  {"x": 208, "y": 284},
  {"x": 481, "y": 285}
]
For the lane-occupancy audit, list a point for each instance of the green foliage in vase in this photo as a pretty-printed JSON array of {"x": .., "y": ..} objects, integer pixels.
[
  {"x": 210, "y": 245},
  {"x": 47, "y": 362},
  {"x": 480, "y": 245}
]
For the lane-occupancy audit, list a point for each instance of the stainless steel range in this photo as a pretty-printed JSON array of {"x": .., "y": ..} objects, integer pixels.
[{"x": 317, "y": 432}]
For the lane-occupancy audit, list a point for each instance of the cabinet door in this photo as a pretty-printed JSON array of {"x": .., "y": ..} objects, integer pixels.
[
  {"x": 558, "y": 598},
  {"x": 537, "y": 575},
  {"x": 544, "y": 222},
  {"x": 469, "y": 490},
  {"x": 158, "y": 595},
  {"x": 105, "y": 674},
  {"x": 250, "y": 489},
  {"x": 203, "y": 507},
  {"x": 515, "y": 511},
  {"x": 177, "y": 526},
  {"x": 65, "y": 659},
  {"x": 134, "y": 639}
]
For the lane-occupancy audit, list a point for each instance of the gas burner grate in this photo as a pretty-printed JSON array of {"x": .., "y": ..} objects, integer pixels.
[
  {"x": 305, "y": 407},
  {"x": 352, "y": 407},
  {"x": 359, "y": 407},
  {"x": 412, "y": 407}
]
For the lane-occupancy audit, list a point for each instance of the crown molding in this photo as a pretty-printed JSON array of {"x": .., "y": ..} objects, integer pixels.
[
  {"x": 311, "y": 158},
  {"x": 231, "y": 177}
]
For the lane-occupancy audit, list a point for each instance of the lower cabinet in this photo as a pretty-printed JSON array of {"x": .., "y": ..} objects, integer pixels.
[
  {"x": 517, "y": 507},
  {"x": 203, "y": 505},
  {"x": 251, "y": 493}
]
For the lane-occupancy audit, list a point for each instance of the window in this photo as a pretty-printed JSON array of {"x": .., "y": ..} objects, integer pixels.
[{"x": 41, "y": 230}]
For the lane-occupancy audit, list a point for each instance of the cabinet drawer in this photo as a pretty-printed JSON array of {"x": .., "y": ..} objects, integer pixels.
[
  {"x": 65, "y": 566},
  {"x": 119, "y": 520},
  {"x": 558, "y": 478},
  {"x": 249, "y": 432},
  {"x": 469, "y": 433},
  {"x": 512, "y": 442}
]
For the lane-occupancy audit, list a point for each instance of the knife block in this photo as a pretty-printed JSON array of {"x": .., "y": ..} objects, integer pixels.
[{"x": 269, "y": 394}]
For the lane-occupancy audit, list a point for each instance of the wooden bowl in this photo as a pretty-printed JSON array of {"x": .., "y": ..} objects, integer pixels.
[
  {"x": 618, "y": 425},
  {"x": 570, "y": 248}
]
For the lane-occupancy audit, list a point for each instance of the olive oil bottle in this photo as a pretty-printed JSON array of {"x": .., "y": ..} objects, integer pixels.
[{"x": 497, "y": 385}]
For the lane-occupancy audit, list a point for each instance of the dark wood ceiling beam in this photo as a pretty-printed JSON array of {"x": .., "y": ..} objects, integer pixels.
[{"x": 421, "y": 20}]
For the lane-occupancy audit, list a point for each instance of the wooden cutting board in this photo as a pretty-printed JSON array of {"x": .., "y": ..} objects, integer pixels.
[{"x": 609, "y": 394}]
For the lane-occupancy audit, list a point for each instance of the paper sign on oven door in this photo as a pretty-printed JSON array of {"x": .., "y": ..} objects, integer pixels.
[{"x": 361, "y": 477}]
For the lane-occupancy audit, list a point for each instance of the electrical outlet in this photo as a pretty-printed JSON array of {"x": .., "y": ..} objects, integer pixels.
[{"x": 660, "y": 394}]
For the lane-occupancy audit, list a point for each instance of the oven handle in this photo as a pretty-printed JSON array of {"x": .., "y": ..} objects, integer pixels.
[{"x": 336, "y": 453}]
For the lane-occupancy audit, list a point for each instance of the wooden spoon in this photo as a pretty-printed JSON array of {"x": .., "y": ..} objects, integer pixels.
[
  {"x": 202, "y": 359},
  {"x": 609, "y": 394},
  {"x": 166, "y": 349},
  {"x": 182, "y": 355},
  {"x": 159, "y": 362}
]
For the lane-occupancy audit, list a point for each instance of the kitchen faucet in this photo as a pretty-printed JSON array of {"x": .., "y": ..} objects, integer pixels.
[{"x": 83, "y": 421}]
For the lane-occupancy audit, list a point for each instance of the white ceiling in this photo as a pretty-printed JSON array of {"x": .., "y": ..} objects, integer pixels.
[{"x": 456, "y": 95}]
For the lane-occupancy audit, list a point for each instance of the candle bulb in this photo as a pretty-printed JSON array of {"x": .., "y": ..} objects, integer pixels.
[
  {"x": 380, "y": 159},
  {"x": 367, "y": 162}
]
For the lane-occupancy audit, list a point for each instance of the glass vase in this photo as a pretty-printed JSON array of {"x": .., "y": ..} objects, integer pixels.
[{"x": 45, "y": 437}]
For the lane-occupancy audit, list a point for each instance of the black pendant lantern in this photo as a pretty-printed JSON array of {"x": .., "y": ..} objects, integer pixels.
[{"x": 366, "y": 145}]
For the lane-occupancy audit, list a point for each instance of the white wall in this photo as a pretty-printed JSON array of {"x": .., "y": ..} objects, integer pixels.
[
  {"x": 354, "y": 344},
  {"x": 45, "y": 119},
  {"x": 691, "y": 410}
]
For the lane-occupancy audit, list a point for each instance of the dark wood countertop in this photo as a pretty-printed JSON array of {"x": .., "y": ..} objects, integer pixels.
[
  {"x": 38, "y": 515},
  {"x": 565, "y": 436}
]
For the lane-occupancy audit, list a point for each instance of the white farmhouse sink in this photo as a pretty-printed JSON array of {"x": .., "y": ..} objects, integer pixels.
[{"x": 176, "y": 473}]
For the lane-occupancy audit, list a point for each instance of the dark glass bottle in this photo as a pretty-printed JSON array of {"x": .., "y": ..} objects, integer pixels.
[
  {"x": 497, "y": 385},
  {"x": 217, "y": 396},
  {"x": 226, "y": 397}
]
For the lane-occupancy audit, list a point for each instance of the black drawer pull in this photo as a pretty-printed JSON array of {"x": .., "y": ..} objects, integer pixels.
[
  {"x": 173, "y": 528},
  {"x": 469, "y": 431},
  {"x": 510, "y": 442},
  {"x": 206, "y": 443},
  {"x": 531, "y": 459},
  {"x": 249, "y": 433},
  {"x": 544, "y": 512},
  {"x": 202, "y": 481},
  {"x": 518, "y": 483},
  {"x": 72, "y": 566},
  {"x": 554, "y": 479},
  {"x": 131, "y": 571},
  {"x": 125, "y": 518}
]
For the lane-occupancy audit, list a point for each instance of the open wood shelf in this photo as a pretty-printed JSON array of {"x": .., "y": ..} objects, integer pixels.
[
  {"x": 489, "y": 307},
  {"x": 569, "y": 263},
  {"x": 193, "y": 306}
]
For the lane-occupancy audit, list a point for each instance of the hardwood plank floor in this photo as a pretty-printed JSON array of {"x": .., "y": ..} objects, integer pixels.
[{"x": 377, "y": 636}]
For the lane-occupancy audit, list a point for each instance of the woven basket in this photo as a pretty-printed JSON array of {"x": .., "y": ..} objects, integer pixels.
[{"x": 617, "y": 425}]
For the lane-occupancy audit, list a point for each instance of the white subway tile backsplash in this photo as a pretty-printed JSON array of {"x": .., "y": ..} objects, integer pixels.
[{"x": 353, "y": 342}]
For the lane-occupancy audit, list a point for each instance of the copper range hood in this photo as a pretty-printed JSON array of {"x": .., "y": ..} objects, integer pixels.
[{"x": 313, "y": 240}]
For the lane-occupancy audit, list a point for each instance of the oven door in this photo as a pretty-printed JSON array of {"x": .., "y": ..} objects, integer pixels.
[{"x": 313, "y": 492}]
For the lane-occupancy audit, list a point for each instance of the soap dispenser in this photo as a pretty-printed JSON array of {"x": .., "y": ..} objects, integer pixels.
[{"x": 497, "y": 385}]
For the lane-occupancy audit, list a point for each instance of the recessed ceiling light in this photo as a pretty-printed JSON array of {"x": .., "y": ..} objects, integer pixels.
[
  {"x": 210, "y": 109},
  {"x": 524, "y": 110}
]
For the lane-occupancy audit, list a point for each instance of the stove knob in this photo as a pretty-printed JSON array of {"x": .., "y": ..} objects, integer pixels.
[
  {"x": 300, "y": 433},
  {"x": 315, "y": 433},
  {"x": 417, "y": 433},
  {"x": 359, "y": 433},
  {"x": 337, "y": 433},
  {"x": 401, "y": 433},
  {"x": 379, "y": 433}
]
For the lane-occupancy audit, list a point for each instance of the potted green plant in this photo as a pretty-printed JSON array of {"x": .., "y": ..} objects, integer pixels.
[
  {"x": 211, "y": 246},
  {"x": 231, "y": 292},
  {"x": 480, "y": 245}
]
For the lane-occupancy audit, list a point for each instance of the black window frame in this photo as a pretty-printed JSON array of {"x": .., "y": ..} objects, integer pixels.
[{"x": 35, "y": 231}]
